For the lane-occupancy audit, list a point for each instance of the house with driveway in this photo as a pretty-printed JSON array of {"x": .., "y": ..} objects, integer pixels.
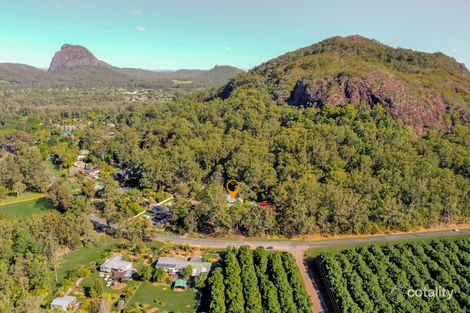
[
  {"x": 119, "y": 269},
  {"x": 174, "y": 265},
  {"x": 115, "y": 265}
]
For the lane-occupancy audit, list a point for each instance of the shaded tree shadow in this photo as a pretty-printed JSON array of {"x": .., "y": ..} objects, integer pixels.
[
  {"x": 314, "y": 276},
  {"x": 44, "y": 204}
]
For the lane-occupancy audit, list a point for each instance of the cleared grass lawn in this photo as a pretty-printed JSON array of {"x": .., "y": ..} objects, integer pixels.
[
  {"x": 26, "y": 196},
  {"x": 164, "y": 298},
  {"x": 87, "y": 255},
  {"x": 23, "y": 208},
  {"x": 90, "y": 280},
  {"x": 337, "y": 248}
]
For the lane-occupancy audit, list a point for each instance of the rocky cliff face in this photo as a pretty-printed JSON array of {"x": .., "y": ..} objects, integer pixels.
[
  {"x": 420, "y": 89},
  {"x": 72, "y": 56},
  {"x": 378, "y": 87}
]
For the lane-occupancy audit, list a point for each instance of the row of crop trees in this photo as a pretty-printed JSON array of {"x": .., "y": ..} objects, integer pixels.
[
  {"x": 256, "y": 281},
  {"x": 377, "y": 278}
]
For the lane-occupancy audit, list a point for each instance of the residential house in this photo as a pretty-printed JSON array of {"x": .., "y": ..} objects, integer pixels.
[
  {"x": 174, "y": 265},
  {"x": 65, "y": 304},
  {"x": 125, "y": 276},
  {"x": 76, "y": 168},
  {"x": 162, "y": 214},
  {"x": 83, "y": 154},
  {"x": 101, "y": 225},
  {"x": 80, "y": 164},
  {"x": 93, "y": 172},
  {"x": 196, "y": 258},
  {"x": 230, "y": 199},
  {"x": 115, "y": 265}
]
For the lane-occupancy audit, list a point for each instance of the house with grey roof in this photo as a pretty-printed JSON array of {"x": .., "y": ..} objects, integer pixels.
[
  {"x": 125, "y": 276},
  {"x": 174, "y": 265},
  {"x": 65, "y": 304}
]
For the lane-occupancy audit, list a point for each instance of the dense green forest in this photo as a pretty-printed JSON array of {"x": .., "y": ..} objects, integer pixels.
[
  {"x": 333, "y": 170},
  {"x": 350, "y": 169},
  {"x": 28, "y": 255}
]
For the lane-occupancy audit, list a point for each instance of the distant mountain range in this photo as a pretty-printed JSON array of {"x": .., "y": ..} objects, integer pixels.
[
  {"x": 76, "y": 66},
  {"x": 421, "y": 89}
]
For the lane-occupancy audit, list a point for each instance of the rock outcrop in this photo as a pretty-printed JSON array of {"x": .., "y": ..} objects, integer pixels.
[
  {"x": 377, "y": 87},
  {"x": 71, "y": 57},
  {"x": 423, "y": 90}
]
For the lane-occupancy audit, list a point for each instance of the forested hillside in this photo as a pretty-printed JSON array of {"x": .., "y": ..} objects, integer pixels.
[
  {"x": 329, "y": 168},
  {"x": 332, "y": 170},
  {"x": 424, "y": 90}
]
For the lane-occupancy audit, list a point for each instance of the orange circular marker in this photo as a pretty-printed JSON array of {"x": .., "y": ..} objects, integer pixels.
[{"x": 232, "y": 183}]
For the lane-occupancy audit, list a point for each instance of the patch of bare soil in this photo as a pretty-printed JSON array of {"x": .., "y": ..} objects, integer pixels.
[{"x": 118, "y": 286}]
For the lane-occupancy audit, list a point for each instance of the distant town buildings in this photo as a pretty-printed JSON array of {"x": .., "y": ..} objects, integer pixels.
[{"x": 85, "y": 169}]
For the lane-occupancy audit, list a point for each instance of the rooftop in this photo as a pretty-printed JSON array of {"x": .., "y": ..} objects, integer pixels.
[
  {"x": 180, "y": 283},
  {"x": 180, "y": 263},
  {"x": 63, "y": 301},
  {"x": 116, "y": 263}
]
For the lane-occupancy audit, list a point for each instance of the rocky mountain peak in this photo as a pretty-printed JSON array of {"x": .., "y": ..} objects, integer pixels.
[{"x": 72, "y": 56}]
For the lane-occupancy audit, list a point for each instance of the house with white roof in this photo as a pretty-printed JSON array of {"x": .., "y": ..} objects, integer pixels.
[
  {"x": 83, "y": 154},
  {"x": 115, "y": 265},
  {"x": 65, "y": 304},
  {"x": 175, "y": 265}
]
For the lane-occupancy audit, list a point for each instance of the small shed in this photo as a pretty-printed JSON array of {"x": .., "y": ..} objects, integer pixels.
[{"x": 180, "y": 284}]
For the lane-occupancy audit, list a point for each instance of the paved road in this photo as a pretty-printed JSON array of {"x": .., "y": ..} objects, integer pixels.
[
  {"x": 298, "y": 248},
  {"x": 280, "y": 244}
]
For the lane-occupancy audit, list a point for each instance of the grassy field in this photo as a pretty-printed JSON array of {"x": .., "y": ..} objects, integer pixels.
[
  {"x": 337, "y": 248},
  {"x": 26, "y": 196},
  {"x": 25, "y": 205},
  {"x": 75, "y": 186},
  {"x": 163, "y": 298},
  {"x": 90, "y": 280},
  {"x": 86, "y": 255}
]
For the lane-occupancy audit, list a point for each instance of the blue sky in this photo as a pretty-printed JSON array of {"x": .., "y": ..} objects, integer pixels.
[{"x": 173, "y": 34}]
